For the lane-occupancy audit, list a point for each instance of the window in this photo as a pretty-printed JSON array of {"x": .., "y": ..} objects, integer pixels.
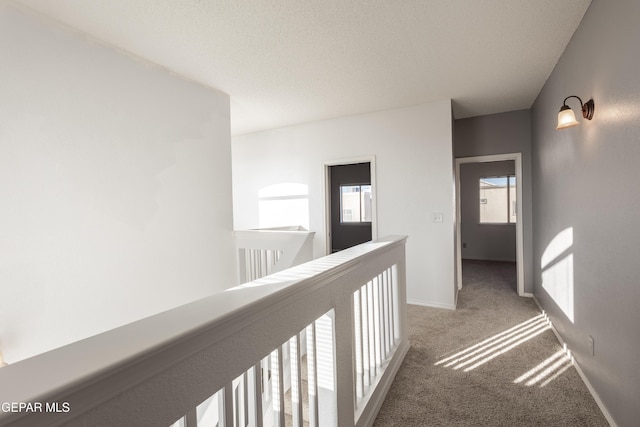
[
  {"x": 498, "y": 200},
  {"x": 355, "y": 203}
]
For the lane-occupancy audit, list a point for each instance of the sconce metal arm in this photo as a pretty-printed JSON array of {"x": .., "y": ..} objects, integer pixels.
[{"x": 587, "y": 108}]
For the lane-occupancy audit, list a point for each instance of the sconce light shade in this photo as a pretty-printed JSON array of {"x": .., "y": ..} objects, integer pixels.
[{"x": 566, "y": 117}]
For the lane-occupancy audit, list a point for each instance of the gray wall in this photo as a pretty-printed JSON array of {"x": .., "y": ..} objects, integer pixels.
[
  {"x": 500, "y": 134},
  {"x": 585, "y": 181},
  {"x": 492, "y": 242}
]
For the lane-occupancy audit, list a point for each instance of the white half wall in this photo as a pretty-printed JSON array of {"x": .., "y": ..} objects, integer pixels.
[
  {"x": 414, "y": 164},
  {"x": 115, "y": 181}
]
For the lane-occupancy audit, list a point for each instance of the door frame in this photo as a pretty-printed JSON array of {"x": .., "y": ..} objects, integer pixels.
[
  {"x": 327, "y": 195},
  {"x": 517, "y": 157}
]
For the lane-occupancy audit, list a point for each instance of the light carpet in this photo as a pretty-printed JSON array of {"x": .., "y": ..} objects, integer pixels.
[{"x": 492, "y": 362}]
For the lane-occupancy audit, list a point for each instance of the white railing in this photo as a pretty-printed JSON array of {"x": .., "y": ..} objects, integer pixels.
[
  {"x": 268, "y": 250},
  {"x": 220, "y": 360}
]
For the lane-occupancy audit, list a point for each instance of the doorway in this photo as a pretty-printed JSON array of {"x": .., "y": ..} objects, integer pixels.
[
  {"x": 517, "y": 214},
  {"x": 350, "y": 203}
]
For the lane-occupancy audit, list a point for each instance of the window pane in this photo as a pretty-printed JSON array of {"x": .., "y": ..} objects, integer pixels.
[
  {"x": 512, "y": 200},
  {"x": 493, "y": 200},
  {"x": 365, "y": 203},
  {"x": 498, "y": 200},
  {"x": 350, "y": 203}
]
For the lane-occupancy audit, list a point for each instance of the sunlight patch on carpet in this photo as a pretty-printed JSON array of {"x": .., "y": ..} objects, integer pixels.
[
  {"x": 547, "y": 371},
  {"x": 497, "y": 345}
]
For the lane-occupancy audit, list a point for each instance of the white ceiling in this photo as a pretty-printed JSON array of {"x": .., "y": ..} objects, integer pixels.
[{"x": 291, "y": 61}]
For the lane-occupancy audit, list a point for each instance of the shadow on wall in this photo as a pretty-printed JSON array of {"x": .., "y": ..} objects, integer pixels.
[
  {"x": 557, "y": 271},
  {"x": 283, "y": 204}
]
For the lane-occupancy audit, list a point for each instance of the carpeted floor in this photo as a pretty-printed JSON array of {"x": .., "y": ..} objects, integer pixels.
[{"x": 491, "y": 362}]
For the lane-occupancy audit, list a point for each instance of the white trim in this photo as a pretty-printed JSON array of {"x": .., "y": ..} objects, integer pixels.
[
  {"x": 432, "y": 304},
  {"x": 517, "y": 158},
  {"x": 528, "y": 295},
  {"x": 586, "y": 382},
  {"x": 493, "y": 259},
  {"x": 381, "y": 387},
  {"x": 189, "y": 346},
  {"x": 327, "y": 195},
  {"x": 595, "y": 395}
]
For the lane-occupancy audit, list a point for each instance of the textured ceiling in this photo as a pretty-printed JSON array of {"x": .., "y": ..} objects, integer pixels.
[{"x": 290, "y": 61}]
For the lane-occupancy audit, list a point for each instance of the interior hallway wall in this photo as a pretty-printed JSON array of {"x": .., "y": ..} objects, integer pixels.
[
  {"x": 503, "y": 133},
  {"x": 413, "y": 156},
  {"x": 115, "y": 181},
  {"x": 586, "y": 203}
]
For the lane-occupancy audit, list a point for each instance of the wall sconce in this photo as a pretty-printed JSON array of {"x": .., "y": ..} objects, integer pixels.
[{"x": 566, "y": 117}]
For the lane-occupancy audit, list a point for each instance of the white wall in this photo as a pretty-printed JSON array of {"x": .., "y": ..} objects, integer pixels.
[
  {"x": 413, "y": 154},
  {"x": 115, "y": 184}
]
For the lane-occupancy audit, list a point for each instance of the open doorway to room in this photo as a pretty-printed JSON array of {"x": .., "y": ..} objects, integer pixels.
[
  {"x": 489, "y": 222},
  {"x": 350, "y": 203}
]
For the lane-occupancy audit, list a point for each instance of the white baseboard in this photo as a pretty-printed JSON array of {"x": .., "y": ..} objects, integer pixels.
[
  {"x": 586, "y": 382},
  {"x": 432, "y": 304},
  {"x": 487, "y": 259},
  {"x": 529, "y": 295}
]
